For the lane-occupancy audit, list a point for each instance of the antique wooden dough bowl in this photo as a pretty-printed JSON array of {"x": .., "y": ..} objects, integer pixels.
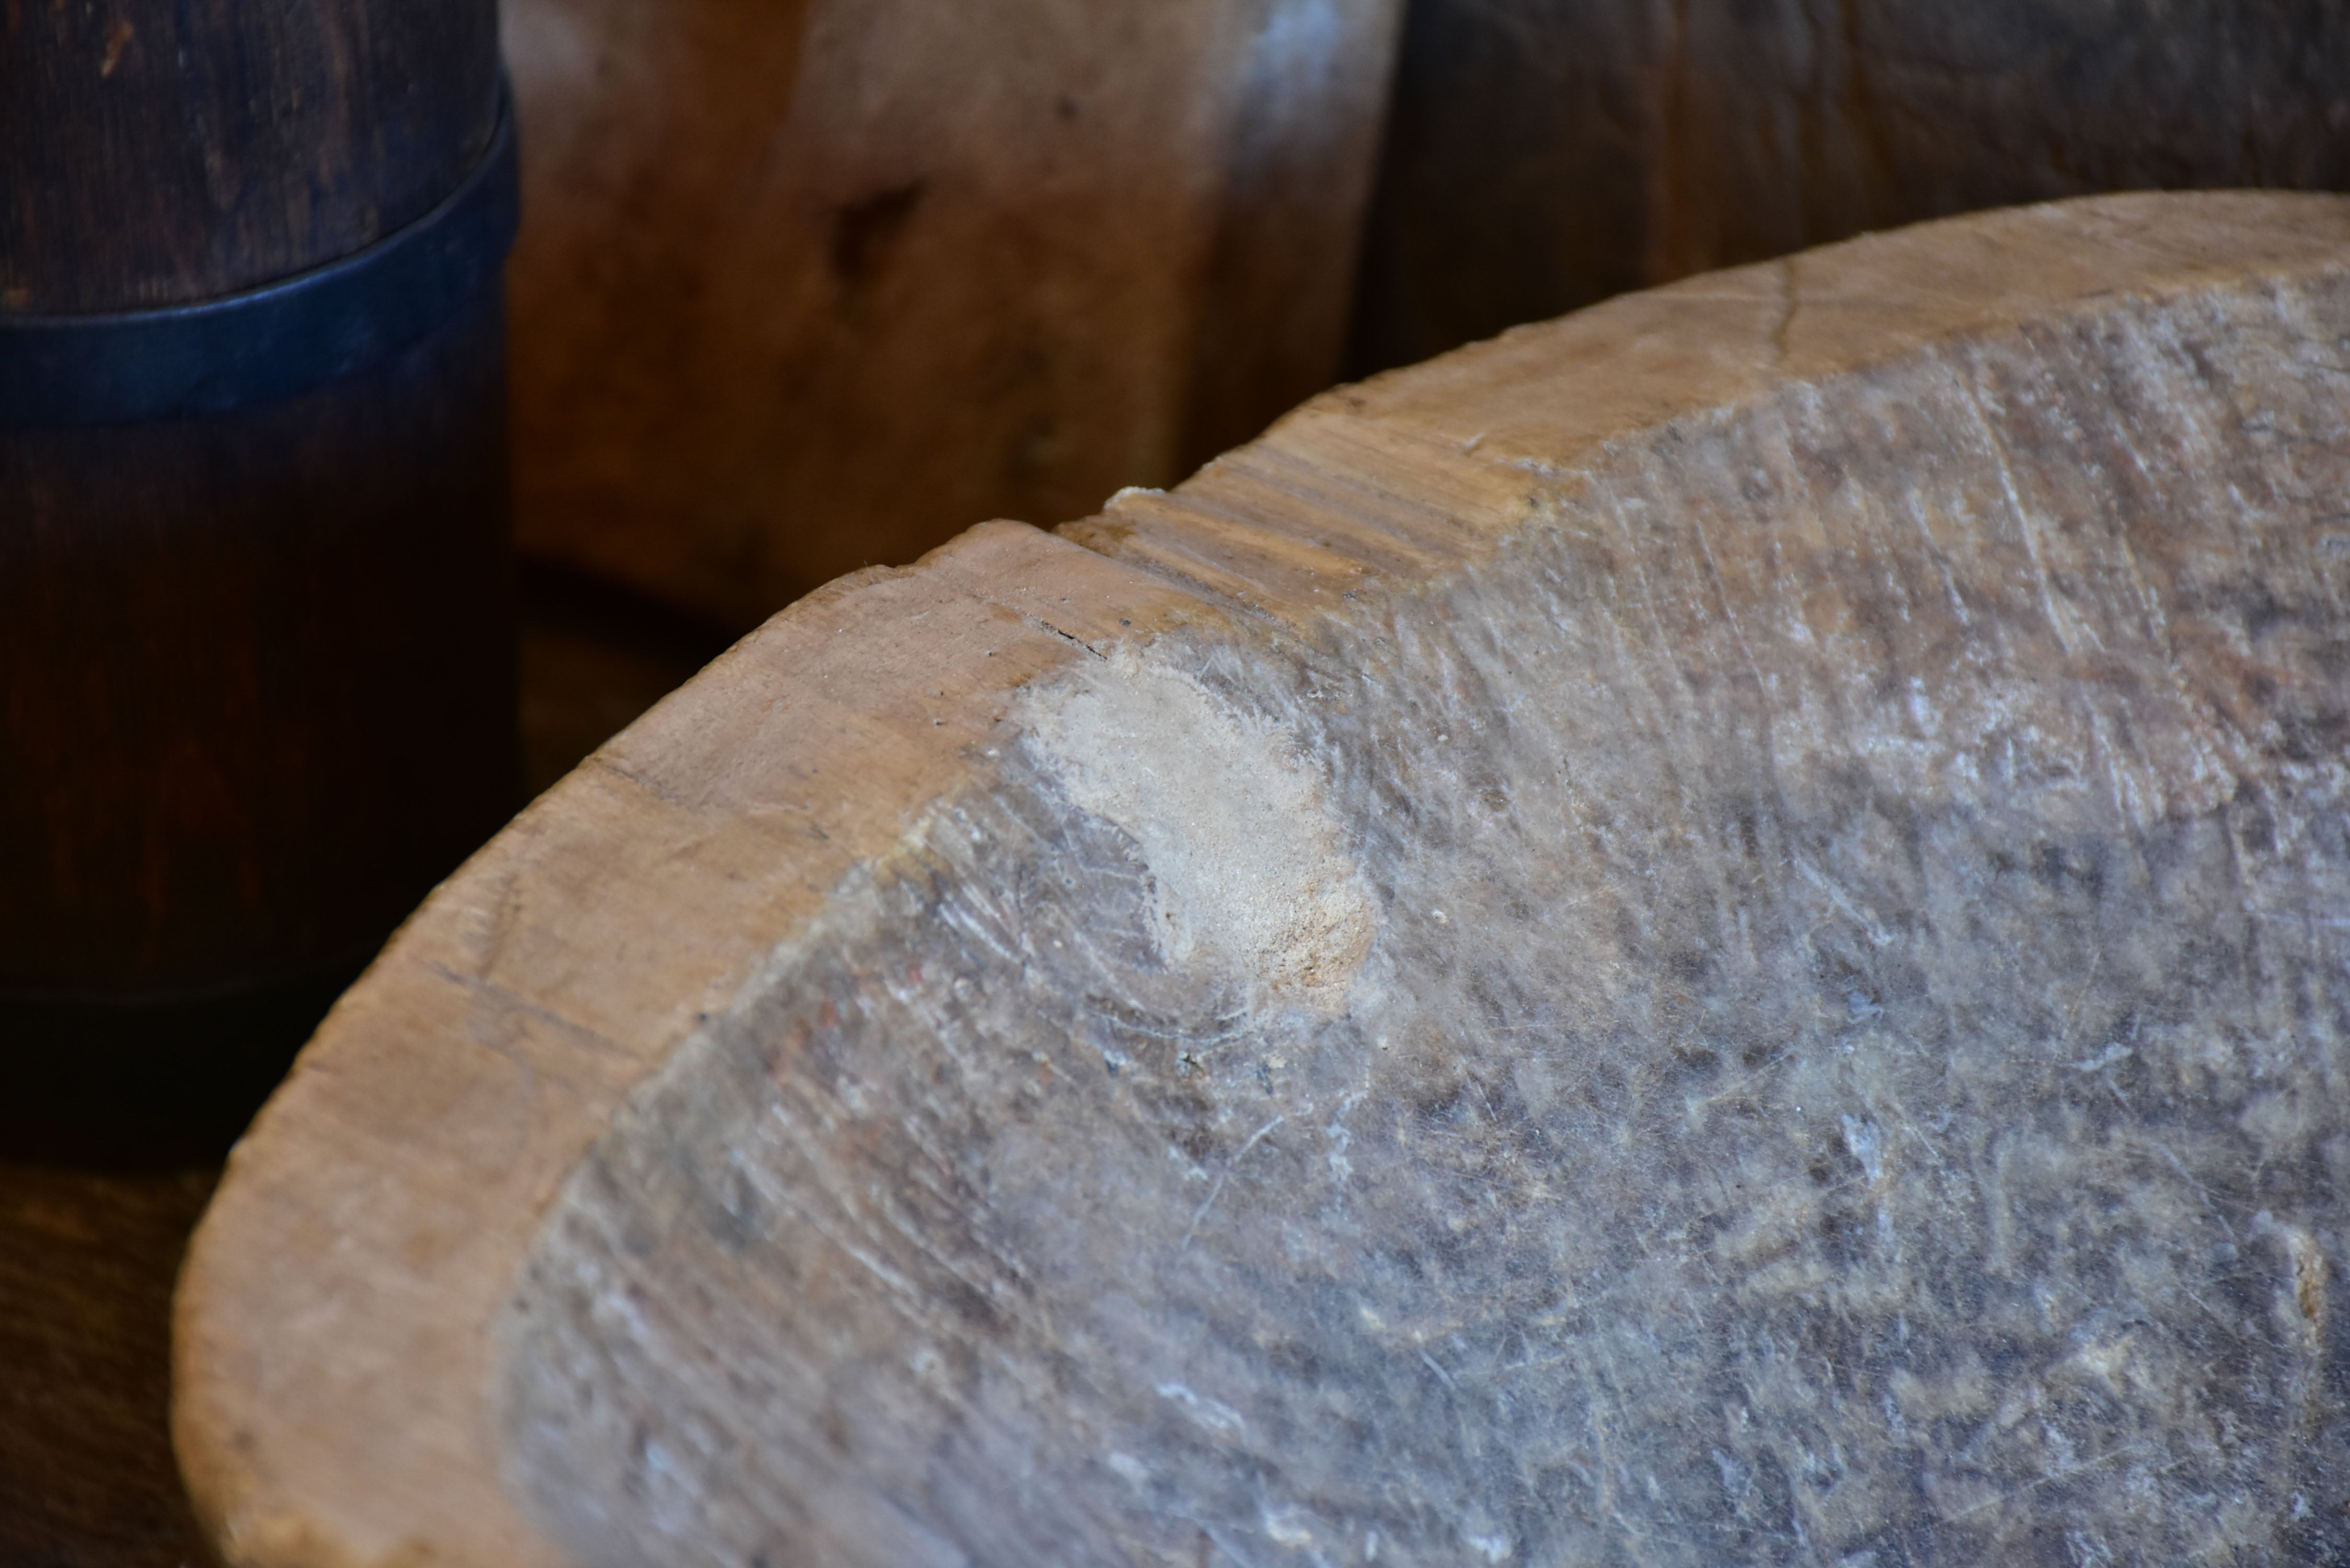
[{"x": 1713, "y": 932}]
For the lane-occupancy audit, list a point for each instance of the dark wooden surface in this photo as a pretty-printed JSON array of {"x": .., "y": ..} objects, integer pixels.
[
  {"x": 256, "y": 696},
  {"x": 87, "y": 1255},
  {"x": 86, "y": 1261},
  {"x": 258, "y": 675},
  {"x": 257, "y": 667},
  {"x": 158, "y": 150},
  {"x": 1544, "y": 154}
]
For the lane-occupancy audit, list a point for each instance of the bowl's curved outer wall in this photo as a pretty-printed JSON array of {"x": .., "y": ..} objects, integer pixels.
[{"x": 336, "y": 1360}]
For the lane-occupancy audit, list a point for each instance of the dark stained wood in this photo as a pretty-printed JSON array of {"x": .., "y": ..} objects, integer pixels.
[
  {"x": 1544, "y": 154},
  {"x": 256, "y": 692},
  {"x": 250, "y": 663},
  {"x": 817, "y": 283},
  {"x": 88, "y": 1254},
  {"x": 1705, "y": 934},
  {"x": 593, "y": 656},
  {"x": 87, "y": 1264},
  {"x": 257, "y": 667},
  {"x": 154, "y": 152}
]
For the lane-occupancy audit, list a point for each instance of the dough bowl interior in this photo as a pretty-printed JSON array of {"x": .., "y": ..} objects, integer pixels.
[{"x": 1714, "y": 932}]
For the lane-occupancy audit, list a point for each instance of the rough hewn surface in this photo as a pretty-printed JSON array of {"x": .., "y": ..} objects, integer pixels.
[
  {"x": 1707, "y": 933},
  {"x": 1806, "y": 1021}
]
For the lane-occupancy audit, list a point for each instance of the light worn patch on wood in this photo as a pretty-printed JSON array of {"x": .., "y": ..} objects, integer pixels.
[
  {"x": 1715, "y": 932},
  {"x": 1247, "y": 865}
]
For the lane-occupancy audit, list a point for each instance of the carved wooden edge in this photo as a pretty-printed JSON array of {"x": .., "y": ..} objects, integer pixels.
[{"x": 335, "y": 1362}]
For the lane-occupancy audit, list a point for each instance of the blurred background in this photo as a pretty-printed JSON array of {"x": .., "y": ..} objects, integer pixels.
[{"x": 799, "y": 286}]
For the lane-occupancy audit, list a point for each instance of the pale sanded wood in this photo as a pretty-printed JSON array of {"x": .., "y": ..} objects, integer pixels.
[
  {"x": 1711, "y": 932},
  {"x": 813, "y": 285}
]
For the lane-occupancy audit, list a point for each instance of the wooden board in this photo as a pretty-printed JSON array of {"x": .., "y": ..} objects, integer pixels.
[
  {"x": 1709, "y": 932},
  {"x": 809, "y": 286}
]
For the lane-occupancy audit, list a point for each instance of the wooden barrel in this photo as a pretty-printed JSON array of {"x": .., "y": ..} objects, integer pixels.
[
  {"x": 255, "y": 650},
  {"x": 1707, "y": 934},
  {"x": 813, "y": 285}
]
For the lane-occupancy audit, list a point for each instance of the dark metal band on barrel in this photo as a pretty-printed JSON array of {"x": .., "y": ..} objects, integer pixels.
[{"x": 273, "y": 342}]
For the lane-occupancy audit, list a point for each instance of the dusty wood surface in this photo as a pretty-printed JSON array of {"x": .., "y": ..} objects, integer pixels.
[
  {"x": 1711, "y": 932},
  {"x": 1544, "y": 154},
  {"x": 809, "y": 286}
]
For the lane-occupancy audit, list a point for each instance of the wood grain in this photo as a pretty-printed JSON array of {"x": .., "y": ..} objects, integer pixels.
[
  {"x": 1704, "y": 932},
  {"x": 153, "y": 151},
  {"x": 256, "y": 666},
  {"x": 89, "y": 1253},
  {"x": 811, "y": 287},
  {"x": 233, "y": 644}
]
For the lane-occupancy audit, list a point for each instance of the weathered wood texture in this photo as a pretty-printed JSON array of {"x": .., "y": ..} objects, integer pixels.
[
  {"x": 811, "y": 286},
  {"x": 594, "y": 658},
  {"x": 236, "y": 649},
  {"x": 256, "y": 688},
  {"x": 88, "y": 1256},
  {"x": 1711, "y": 932},
  {"x": 1544, "y": 154}
]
